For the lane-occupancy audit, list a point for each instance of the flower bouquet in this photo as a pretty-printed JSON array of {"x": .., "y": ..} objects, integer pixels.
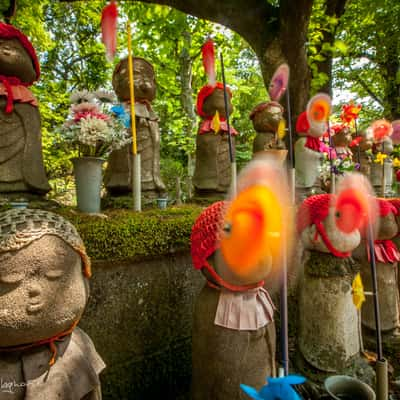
[
  {"x": 94, "y": 131},
  {"x": 91, "y": 127}
]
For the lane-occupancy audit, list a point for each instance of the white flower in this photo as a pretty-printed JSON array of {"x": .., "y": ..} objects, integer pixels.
[
  {"x": 105, "y": 96},
  {"x": 82, "y": 96}
]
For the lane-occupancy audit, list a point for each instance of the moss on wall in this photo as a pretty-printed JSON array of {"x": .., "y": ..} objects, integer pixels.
[{"x": 129, "y": 235}]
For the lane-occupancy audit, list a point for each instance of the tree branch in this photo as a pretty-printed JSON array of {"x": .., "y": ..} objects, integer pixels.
[{"x": 254, "y": 20}]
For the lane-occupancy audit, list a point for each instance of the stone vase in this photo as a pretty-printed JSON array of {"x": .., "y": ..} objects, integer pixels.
[
  {"x": 88, "y": 180},
  {"x": 376, "y": 177}
]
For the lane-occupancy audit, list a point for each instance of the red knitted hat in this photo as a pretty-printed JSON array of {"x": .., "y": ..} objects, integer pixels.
[
  {"x": 262, "y": 106},
  {"x": 10, "y": 32},
  {"x": 302, "y": 124},
  {"x": 313, "y": 210},
  {"x": 205, "y": 233},
  {"x": 206, "y": 91},
  {"x": 395, "y": 203},
  {"x": 386, "y": 207}
]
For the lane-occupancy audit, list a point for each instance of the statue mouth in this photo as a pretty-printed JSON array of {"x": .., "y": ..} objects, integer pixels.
[{"x": 33, "y": 308}]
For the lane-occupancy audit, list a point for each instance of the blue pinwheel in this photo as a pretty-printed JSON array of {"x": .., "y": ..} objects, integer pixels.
[
  {"x": 276, "y": 389},
  {"x": 122, "y": 115}
]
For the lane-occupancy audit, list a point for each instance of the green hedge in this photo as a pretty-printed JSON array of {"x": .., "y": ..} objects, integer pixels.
[{"x": 128, "y": 235}]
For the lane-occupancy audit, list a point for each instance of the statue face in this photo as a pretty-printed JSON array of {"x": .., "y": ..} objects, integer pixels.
[
  {"x": 387, "y": 227},
  {"x": 15, "y": 60},
  {"x": 42, "y": 291},
  {"x": 268, "y": 119},
  {"x": 341, "y": 241},
  {"x": 215, "y": 102},
  {"x": 144, "y": 80}
]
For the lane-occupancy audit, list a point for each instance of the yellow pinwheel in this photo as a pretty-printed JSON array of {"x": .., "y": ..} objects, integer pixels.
[
  {"x": 216, "y": 123},
  {"x": 358, "y": 291},
  {"x": 380, "y": 158}
]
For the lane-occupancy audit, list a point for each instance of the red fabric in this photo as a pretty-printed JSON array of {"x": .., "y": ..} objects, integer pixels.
[
  {"x": 386, "y": 252},
  {"x": 313, "y": 143},
  {"x": 395, "y": 203},
  {"x": 206, "y": 233},
  {"x": 356, "y": 141},
  {"x": 302, "y": 124},
  {"x": 313, "y": 211},
  {"x": 386, "y": 207},
  {"x": 109, "y": 17},
  {"x": 15, "y": 90},
  {"x": 262, "y": 106},
  {"x": 205, "y": 239},
  {"x": 206, "y": 91},
  {"x": 208, "y": 56},
  {"x": 9, "y": 32},
  {"x": 206, "y": 126}
]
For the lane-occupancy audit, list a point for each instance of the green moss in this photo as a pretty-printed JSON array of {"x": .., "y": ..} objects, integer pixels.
[
  {"x": 326, "y": 265},
  {"x": 129, "y": 235}
]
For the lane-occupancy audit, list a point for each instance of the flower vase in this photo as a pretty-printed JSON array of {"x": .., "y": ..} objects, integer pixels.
[
  {"x": 381, "y": 174},
  {"x": 88, "y": 181}
]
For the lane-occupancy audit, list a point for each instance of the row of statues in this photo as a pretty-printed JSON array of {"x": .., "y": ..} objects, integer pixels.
[{"x": 234, "y": 332}]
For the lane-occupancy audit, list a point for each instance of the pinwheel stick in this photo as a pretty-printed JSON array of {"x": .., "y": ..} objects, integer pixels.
[
  {"x": 292, "y": 170},
  {"x": 136, "y": 189},
  {"x": 226, "y": 103},
  {"x": 381, "y": 363}
]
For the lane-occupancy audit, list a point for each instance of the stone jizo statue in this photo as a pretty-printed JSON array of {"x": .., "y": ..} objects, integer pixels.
[
  {"x": 266, "y": 118},
  {"x": 233, "y": 331},
  {"x": 44, "y": 289},
  {"x": 118, "y": 176},
  {"x": 21, "y": 161},
  {"x": 212, "y": 175}
]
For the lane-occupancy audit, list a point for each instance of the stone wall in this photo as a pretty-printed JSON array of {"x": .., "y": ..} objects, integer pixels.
[{"x": 139, "y": 317}]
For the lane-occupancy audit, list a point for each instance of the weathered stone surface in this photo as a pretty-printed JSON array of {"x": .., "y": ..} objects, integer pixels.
[
  {"x": 329, "y": 333},
  {"x": 48, "y": 292},
  {"x": 140, "y": 318},
  {"x": 266, "y": 117},
  {"x": 118, "y": 175},
  {"x": 21, "y": 160},
  {"x": 223, "y": 358},
  {"x": 43, "y": 292},
  {"x": 213, "y": 168}
]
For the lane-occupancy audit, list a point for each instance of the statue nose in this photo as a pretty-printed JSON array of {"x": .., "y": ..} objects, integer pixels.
[{"x": 34, "y": 289}]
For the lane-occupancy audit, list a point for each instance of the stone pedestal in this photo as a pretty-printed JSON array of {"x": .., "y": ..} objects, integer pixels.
[{"x": 329, "y": 329}]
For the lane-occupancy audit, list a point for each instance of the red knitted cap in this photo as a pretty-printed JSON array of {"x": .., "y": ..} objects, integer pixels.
[
  {"x": 314, "y": 209},
  {"x": 302, "y": 124},
  {"x": 262, "y": 106},
  {"x": 206, "y": 91},
  {"x": 205, "y": 233},
  {"x": 395, "y": 203},
  {"x": 386, "y": 207},
  {"x": 10, "y": 32}
]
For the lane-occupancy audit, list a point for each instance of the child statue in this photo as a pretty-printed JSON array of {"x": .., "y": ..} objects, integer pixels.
[
  {"x": 212, "y": 174},
  {"x": 387, "y": 257},
  {"x": 266, "y": 118},
  {"x": 309, "y": 152},
  {"x": 118, "y": 176},
  {"x": 341, "y": 137},
  {"x": 44, "y": 271},
  {"x": 21, "y": 162},
  {"x": 233, "y": 331},
  {"x": 329, "y": 338}
]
